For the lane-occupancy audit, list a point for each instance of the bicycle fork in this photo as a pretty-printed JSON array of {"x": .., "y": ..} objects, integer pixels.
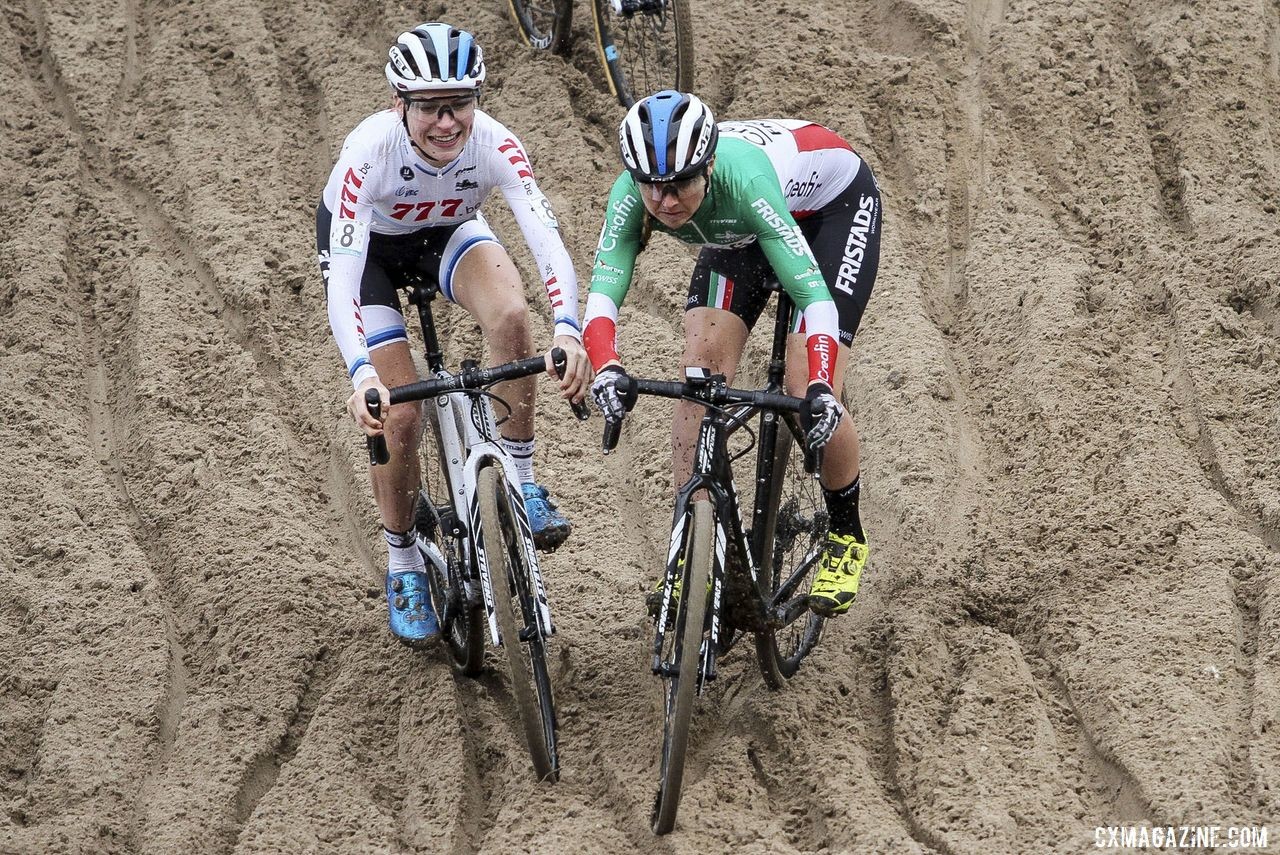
[
  {"x": 708, "y": 641},
  {"x": 542, "y": 614}
]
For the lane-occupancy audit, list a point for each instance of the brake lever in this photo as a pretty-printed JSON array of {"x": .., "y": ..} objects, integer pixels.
[
  {"x": 378, "y": 453},
  {"x": 560, "y": 361}
]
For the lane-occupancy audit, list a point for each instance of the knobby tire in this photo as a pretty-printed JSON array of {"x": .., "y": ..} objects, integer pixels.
[
  {"x": 543, "y": 24},
  {"x": 799, "y": 518},
  {"x": 464, "y": 631},
  {"x": 530, "y": 684},
  {"x": 644, "y": 52},
  {"x": 680, "y": 690}
]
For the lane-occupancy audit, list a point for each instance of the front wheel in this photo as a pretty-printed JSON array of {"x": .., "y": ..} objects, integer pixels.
[
  {"x": 644, "y": 46},
  {"x": 461, "y": 619},
  {"x": 682, "y": 647},
  {"x": 795, "y": 535},
  {"x": 456, "y": 598},
  {"x": 543, "y": 24},
  {"x": 508, "y": 550}
]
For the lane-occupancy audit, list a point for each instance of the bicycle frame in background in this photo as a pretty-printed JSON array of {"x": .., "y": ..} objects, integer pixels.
[{"x": 644, "y": 46}]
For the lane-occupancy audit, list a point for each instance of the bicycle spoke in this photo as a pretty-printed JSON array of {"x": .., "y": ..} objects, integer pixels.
[
  {"x": 799, "y": 534},
  {"x": 653, "y": 48},
  {"x": 545, "y": 24},
  {"x": 510, "y": 569}
]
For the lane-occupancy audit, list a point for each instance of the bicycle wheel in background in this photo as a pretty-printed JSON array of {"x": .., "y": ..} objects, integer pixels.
[
  {"x": 644, "y": 45},
  {"x": 543, "y": 24},
  {"x": 791, "y": 557},
  {"x": 682, "y": 645},
  {"x": 460, "y": 610},
  {"x": 515, "y": 604}
]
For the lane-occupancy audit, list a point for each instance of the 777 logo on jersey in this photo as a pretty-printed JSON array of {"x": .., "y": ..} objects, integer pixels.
[{"x": 448, "y": 208}]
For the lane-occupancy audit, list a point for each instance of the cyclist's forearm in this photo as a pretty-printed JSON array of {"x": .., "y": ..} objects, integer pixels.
[
  {"x": 600, "y": 337},
  {"x": 347, "y": 324},
  {"x": 822, "y": 327},
  {"x": 542, "y": 235},
  {"x": 798, "y": 271}
]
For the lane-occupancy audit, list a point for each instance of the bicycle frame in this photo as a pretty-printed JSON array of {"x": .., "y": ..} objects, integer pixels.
[
  {"x": 469, "y": 441},
  {"x": 713, "y": 472}
]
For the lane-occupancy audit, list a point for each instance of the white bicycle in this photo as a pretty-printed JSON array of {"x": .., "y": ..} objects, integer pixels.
[{"x": 474, "y": 533}]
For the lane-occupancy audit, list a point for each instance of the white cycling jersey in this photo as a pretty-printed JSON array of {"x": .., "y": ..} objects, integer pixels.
[
  {"x": 380, "y": 185},
  {"x": 814, "y": 164}
]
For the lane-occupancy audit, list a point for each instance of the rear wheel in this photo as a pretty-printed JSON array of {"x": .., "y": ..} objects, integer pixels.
[
  {"x": 543, "y": 24},
  {"x": 458, "y": 604},
  {"x": 792, "y": 548},
  {"x": 645, "y": 46},
  {"x": 508, "y": 549},
  {"x": 682, "y": 646}
]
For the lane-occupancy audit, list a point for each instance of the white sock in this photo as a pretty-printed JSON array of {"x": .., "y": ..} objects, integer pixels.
[
  {"x": 521, "y": 452},
  {"x": 402, "y": 554}
]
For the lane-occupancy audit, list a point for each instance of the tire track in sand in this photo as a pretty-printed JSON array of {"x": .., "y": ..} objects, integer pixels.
[
  {"x": 96, "y": 164},
  {"x": 1245, "y": 589},
  {"x": 105, "y": 432}
]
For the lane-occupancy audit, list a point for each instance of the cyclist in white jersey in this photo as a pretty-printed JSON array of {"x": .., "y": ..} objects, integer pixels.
[{"x": 402, "y": 206}]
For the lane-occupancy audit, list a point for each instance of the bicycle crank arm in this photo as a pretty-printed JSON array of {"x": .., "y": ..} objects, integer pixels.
[{"x": 788, "y": 612}]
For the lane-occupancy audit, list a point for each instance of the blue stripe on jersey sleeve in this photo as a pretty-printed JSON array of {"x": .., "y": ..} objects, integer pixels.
[
  {"x": 385, "y": 335},
  {"x": 359, "y": 363}
]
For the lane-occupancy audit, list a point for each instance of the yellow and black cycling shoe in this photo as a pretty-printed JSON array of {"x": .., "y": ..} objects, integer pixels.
[
  {"x": 839, "y": 573},
  {"x": 653, "y": 599}
]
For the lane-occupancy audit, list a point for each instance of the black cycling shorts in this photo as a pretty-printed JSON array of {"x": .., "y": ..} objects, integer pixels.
[
  {"x": 428, "y": 255},
  {"x": 845, "y": 238}
]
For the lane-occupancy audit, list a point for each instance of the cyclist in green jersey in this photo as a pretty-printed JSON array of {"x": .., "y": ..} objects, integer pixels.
[{"x": 781, "y": 202}]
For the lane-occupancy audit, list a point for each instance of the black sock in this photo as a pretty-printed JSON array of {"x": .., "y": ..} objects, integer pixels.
[{"x": 842, "y": 505}]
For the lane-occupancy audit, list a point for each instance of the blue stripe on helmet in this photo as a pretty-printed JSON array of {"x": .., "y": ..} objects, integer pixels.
[
  {"x": 440, "y": 40},
  {"x": 661, "y": 107},
  {"x": 464, "y": 54}
]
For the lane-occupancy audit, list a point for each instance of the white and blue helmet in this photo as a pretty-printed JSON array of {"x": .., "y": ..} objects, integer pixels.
[
  {"x": 432, "y": 57},
  {"x": 667, "y": 137}
]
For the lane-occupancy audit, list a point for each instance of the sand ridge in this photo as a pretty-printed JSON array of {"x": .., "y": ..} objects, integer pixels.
[{"x": 1066, "y": 386}]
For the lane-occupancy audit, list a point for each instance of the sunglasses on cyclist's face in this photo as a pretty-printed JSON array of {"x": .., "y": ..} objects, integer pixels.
[
  {"x": 460, "y": 106},
  {"x": 682, "y": 189}
]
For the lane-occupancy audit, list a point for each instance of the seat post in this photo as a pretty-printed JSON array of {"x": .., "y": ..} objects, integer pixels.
[
  {"x": 778, "y": 356},
  {"x": 421, "y": 295}
]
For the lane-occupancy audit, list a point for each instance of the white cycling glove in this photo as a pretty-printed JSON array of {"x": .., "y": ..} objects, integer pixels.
[
  {"x": 604, "y": 391},
  {"x": 820, "y": 416}
]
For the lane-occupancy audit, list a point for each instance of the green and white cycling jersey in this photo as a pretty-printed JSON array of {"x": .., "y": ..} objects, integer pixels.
[{"x": 766, "y": 173}]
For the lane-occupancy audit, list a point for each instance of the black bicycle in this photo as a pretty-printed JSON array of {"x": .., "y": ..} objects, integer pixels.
[
  {"x": 644, "y": 46},
  {"x": 722, "y": 581},
  {"x": 473, "y": 531}
]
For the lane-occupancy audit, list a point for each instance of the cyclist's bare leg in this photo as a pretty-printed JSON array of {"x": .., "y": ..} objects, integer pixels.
[
  {"x": 396, "y": 484},
  {"x": 713, "y": 338},
  {"x": 840, "y": 459},
  {"x": 487, "y": 284}
]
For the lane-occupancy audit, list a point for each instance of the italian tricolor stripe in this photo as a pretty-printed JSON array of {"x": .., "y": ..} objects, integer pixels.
[{"x": 721, "y": 295}]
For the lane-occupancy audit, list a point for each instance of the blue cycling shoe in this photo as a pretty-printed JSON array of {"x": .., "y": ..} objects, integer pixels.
[
  {"x": 550, "y": 528},
  {"x": 413, "y": 618}
]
